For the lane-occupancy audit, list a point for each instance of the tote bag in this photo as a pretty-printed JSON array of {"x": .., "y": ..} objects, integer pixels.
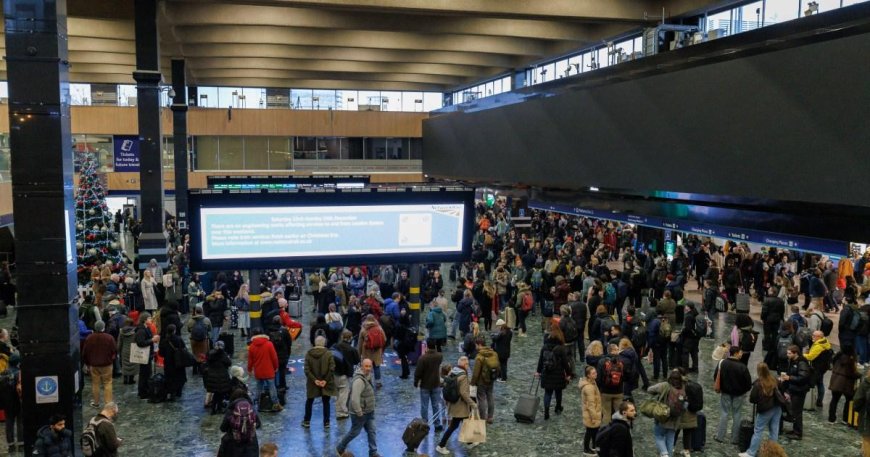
[
  {"x": 140, "y": 355},
  {"x": 473, "y": 429}
]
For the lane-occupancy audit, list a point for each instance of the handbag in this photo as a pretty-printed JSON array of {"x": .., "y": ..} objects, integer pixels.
[
  {"x": 717, "y": 384},
  {"x": 473, "y": 429},
  {"x": 656, "y": 408},
  {"x": 183, "y": 357},
  {"x": 140, "y": 355}
]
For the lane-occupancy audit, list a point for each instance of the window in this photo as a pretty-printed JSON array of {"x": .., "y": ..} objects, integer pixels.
[
  {"x": 100, "y": 145},
  {"x": 206, "y": 152},
  {"x": 391, "y": 101},
  {"x": 229, "y": 96},
  {"x": 432, "y": 101},
  {"x": 601, "y": 57},
  {"x": 622, "y": 52},
  {"x": 168, "y": 152},
  {"x": 824, "y": 5},
  {"x": 369, "y": 100},
  {"x": 562, "y": 68},
  {"x": 637, "y": 46},
  {"x": 252, "y": 97},
  {"x": 750, "y": 16},
  {"x": 301, "y": 99},
  {"x": 775, "y": 11},
  {"x": 277, "y": 98},
  {"x": 256, "y": 153},
  {"x": 208, "y": 97},
  {"x": 852, "y": 2},
  {"x": 349, "y": 100},
  {"x": 127, "y": 95},
  {"x": 720, "y": 21},
  {"x": 280, "y": 155},
  {"x": 80, "y": 94},
  {"x": 231, "y": 153},
  {"x": 412, "y": 101},
  {"x": 4, "y": 91}
]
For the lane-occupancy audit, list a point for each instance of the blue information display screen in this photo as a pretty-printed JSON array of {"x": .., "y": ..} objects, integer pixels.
[{"x": 246, "y": 231}]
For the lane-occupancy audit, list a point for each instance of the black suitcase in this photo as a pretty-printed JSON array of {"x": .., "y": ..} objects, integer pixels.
[
  {"x": 527, "y": 405},
  {"x": 414, "y": 434},
  {"x": 747, "y": 428},
  {"x": 156, "y": 388},
  {"x": 4, "y": 311},
  {"x": 229, "y": 341}
]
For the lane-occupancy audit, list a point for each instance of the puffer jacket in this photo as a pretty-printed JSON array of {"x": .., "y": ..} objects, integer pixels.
[
  {"x": 50, "y": 444},
  {"x": 436, "y": 322},
  {"x": 262, "y": 358},
  {"x": 217, "y": 375},
  {"x": 320, "y": 365},
  {"x": 590, "y": 398}
]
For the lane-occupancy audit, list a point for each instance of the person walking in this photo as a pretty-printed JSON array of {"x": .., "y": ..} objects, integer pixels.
[
  {"x": 263, "y": 364},
  {"x": 362, "y": 408},
  {"x": 486, "y": 371},
  {"x": 239, "y": 425},
  {"x": 346, "y": 358},
  {"x": 796, "y": 380},
  {"x": 320, "y": 375},
  {"x": 590, "y": 399},
  {"x": 457, "y": 394},
  {"x": 617, "y": 441},
  {"x": 734, "y": 382},
  {"x": 501, "y": 343},
  {"x": 769, "y": 403},
  {"x": 99, "y": 354},
  {"x": 673, "y": 393},
  {"x": 372, "y": 341},
  {"x": 427, "y": 376}
]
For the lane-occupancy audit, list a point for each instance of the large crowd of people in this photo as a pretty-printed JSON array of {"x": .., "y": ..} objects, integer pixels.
[{"x": 610, "y": 309}]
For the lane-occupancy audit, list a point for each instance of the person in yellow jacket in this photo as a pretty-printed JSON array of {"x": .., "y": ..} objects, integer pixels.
[{"x": 820, "y": 356}]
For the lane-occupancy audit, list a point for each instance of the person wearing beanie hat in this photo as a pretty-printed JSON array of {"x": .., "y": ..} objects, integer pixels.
[
  {"x": 217, "y": 378},
  {"x": 98, "y": 353},
  {"x": 501, "y": 343}
]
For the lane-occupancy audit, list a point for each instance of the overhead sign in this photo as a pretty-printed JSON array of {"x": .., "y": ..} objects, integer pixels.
[
  {"x": 126, "y": 150},
  {"x": 46, "y": 389},
  {"x": 778, "y": 240}
]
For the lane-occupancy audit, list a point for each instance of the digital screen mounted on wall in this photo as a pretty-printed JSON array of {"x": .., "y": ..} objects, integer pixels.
[{"x": 275, "y": 230}]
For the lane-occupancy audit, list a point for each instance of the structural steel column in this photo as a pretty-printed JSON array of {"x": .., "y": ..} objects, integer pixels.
[
  {"x": 152, "y": 242},
  {"x": 42, "y": 199},
  {"x": 179, "y": 135}
]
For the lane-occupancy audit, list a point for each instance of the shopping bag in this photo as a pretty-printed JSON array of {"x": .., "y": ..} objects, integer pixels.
[
  {"x": 140, "y": 355},
  {"x": 473, "y": 429}
]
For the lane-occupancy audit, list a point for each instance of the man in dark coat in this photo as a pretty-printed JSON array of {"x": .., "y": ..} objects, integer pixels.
[
  {"x": 797, "y": 381},
  {"x": 772, "y": 312},
  {"x": 690, "y": 338},
  {"x": 280, "y": 338},
  {"x": 217, "y": 376},
  {"x": 615, "y": 440},
  {"x": 54, "y": 440}
]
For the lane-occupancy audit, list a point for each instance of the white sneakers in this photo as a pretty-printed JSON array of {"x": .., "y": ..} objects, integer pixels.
[
  {"x": 442, "y": 450},
  {"x": 743, "y": 454}
]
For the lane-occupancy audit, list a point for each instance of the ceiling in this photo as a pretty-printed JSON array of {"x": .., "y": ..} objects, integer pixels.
[{"x": 347, "y": 44}]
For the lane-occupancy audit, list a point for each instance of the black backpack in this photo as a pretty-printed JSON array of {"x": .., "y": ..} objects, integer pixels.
[
  {"x": 569, "y": 329},
  {"x": 198, "y": 332},
  {"x": 450, "y": 392},
  {"x": 695, "y": 396},
  {"x": 548, "y": 359}
]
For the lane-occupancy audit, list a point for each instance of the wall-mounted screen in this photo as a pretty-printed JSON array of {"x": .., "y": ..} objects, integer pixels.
[{"x": 275, "y": 230}]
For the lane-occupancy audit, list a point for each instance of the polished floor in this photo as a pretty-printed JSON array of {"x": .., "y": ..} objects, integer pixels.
[{"x": 184, "y": 428}]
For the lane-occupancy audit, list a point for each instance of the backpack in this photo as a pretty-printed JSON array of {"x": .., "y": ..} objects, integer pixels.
[
  {"x": 720, "y": 303},
  {"x": 491, "y": 370},
  {"x": 827, "y": 324},
  {"x": 88, "y": 440},
  {"x": 548, "y": 359},
  {"x": 700, "y": 326},
  {"x": 854, "y": 320},
  {"x": 675, "y": 401},
  {"x": 613, "y": 371},
  {"x": 340, "y": 364},
  {"x": 609, "y": 294},
  {"x": 569, "y": 329},
  {"x": 782, "y": 345},
  {"x": 335, "y": 326},
  {"x": 167, "y": 280},
  {"x": 748, "y": 340},
  {"x": 822, "y": 362},
  {"x": 198, "y": 332},
  {"x": 375, "y": 339},
  {"x": 243, "y": 421},
  {"x": 864, "y": 328},
  {"x": 450, "y": 391},
  {"x": 803, "y": 336},
  {"x": 638, "y": 336},
  {"x": 695, "y": 396},
  {"x": 605, "y": 323},
  {"x": 537, "y": 278},
  {"x": 528, "y": 302},
  {"x": 665, "y": 330},
  {"x": 86, "y": 314}
]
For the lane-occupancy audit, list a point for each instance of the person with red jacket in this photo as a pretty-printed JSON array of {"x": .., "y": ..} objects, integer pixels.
[
  {"x": 98, "y": 353},
  {"x": 263, "y": 364}
]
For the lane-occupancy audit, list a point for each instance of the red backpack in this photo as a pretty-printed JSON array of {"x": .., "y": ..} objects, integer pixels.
[
  {"x": 613, "y": 369},
  {"x": 375, "y": 339},
  {"x": 528, "y": 302}
]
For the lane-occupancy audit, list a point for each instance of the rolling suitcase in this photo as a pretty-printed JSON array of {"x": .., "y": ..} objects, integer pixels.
[
  {"x": 414, "y": 434},
  {"x": 742, "y": 305},
  {"x": 853, "y": 415},
  {"x": 810, "y": 400},
  {"x": 747, "y": 428},
  {"x": 229, "y": 343},
  {"x": 157, "y": 388},
  {"x": 294, "y": 307},
  {"x": 527, "y": 405}
]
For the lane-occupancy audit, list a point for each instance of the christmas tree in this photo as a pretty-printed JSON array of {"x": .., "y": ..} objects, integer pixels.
[{"x": 96, "y": 242}]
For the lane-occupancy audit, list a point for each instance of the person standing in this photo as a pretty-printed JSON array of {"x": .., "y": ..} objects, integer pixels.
[
  {"x": 148, "y": 287},
  {"x": 501, "y": 343},
  {"x": 590, "y": 398},
  {"x": 427, "y": 376},
  {"x": 844, "y": 375},
  {"x": 217, "y": 376},
  {"x": 617, "y": 441},
  {"x": 372, "y": 341},
  {"x": 734, "y": 383},
  {"x": 99, "y": 354},
  {"x": 319, "y": 372},
  {"x": 215, "y": 308},
  {"x": 10, "y": 399},
  {"x": 104, "y": 430},
  {"x": 690, "y": 338},
  {"x": 436, "y": 324},
  {"x": 862, "y": 405},
  {"x": 263, "y": 364},
  {"x": 54, "y": 439},
  {"x": 819, "y": 356},
  {"x": 145, "y": 339},
  {"x": 344, "y": 369},
  {"x": 239, "y": 425},
  {"x": 283, "y": 343},
  {"x": 769, "y": 402},
  {"x": 796, "y": 380},
  {"x": 362, "y": 408},
  {"x": 673, "y": 394},
  {"x": 611, "y": 377},
  {"x": 243, "y": 305},
  {"x": 772, "y": 314},
  {"x": 457, "y": 394},
  {"x": 486, "y": 371}
]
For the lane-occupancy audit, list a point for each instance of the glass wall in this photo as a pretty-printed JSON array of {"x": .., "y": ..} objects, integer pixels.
[{"x": 487, "y": 89}]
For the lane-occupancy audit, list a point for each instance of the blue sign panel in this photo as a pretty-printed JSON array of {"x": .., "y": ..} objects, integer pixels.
[
  {"x": 126, "y": 150},
  {"x": 778, "y": 240}
]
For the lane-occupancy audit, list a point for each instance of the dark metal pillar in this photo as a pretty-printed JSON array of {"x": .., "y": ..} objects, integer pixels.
[
  {"x": 42, "y": 177},
  {"x": 152, "y": 242},
  {"x": 179, "y": 135},
  {"x": 414, "y": 299}
]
